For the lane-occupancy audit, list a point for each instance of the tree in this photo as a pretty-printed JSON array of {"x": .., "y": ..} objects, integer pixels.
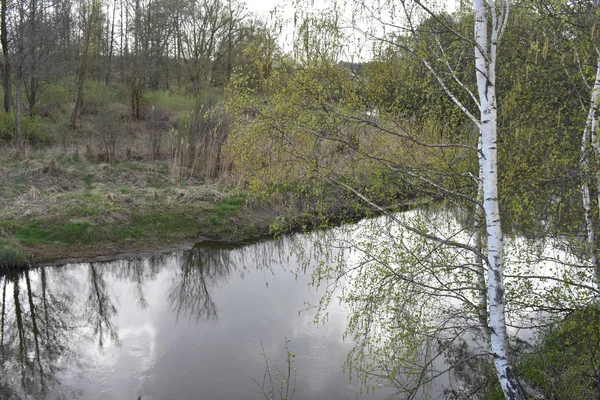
[
  {"x": 91, "y": 22},
  {"x": 485, "y": 66},
  {"x": 202, "y": 27},
  {"x": 585, "y": 17},
  {"x": 6, "y": 71},
  {"x": 315, "y": 120},
  {"x": 19, "y": 61}
]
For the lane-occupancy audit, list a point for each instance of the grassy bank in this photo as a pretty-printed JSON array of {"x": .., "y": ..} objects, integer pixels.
[
  {"x": 71, "y": 208},
  {"x": 116, "y": 184},
  {"x": 63, "y": 206}
]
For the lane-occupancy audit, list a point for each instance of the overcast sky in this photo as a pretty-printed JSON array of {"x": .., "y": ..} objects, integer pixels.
[
  {"x": 358, "y": 46},
  {"x": 261, "y": 7}
]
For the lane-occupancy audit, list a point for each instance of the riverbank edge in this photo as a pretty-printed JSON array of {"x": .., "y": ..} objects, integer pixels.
[{"x": 248, "y": 224}]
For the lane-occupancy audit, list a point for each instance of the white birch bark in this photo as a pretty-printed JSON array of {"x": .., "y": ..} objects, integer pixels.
[
  {"x": 592, "y": 126},
  {"x": 485, "y": 65},
  {"x": 482, "y": 305},
  {"x": 585, "y": 195},
  {"x": 594, "y": 122}
]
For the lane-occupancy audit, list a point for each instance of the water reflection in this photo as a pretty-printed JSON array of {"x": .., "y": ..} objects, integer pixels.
[
  {"x": 416, "y": 298},
  {"x": 35, "y": 334},
  {"x": 99, "y": 307},
  {"x": 201, "y": 269},
  {"x": 167, "y": 326},
  {"x": 208, "y": 265}
]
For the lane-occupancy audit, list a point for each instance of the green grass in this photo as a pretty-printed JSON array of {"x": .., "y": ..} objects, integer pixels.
[
  {"x": 224, "y": 210},
  {"x": 89, "y": 181},
  {"x": 82, "y": 210},
  {"x": 149, "y": 225},
  {"x": 48, "y": 232},
  {"x": 33, "y": 130},
  {"x": 12, "y": 255},
  {"x": 174, "y": 102},
  {"x": 158, "y": 225},
  {"x": 89, "y": 219}
]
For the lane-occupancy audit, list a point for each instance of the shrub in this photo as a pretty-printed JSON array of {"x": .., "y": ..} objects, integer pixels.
[
  {"x": 34, "y": 131},
  {"x": 157, "y": 124},
  {"x": 564, "y": 363},
  {"x": 108, "y": 129},
  {"x": 174, "y": 102}
]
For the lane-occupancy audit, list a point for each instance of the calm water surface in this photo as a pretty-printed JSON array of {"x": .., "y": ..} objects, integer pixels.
[{"x": 177, "y": 326}]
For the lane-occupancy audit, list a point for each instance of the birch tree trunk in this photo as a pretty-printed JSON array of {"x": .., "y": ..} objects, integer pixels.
[
  {"x": 586, "y": 198},
  {"x": 592, "y": 126},
  {"x": 482, "y": 311},
  {"x": 485, "y": 66},
  {"x": 593, "y": 113}
]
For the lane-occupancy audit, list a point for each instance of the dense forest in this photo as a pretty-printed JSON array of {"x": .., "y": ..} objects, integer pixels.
[{"x": 115, "y": 114}]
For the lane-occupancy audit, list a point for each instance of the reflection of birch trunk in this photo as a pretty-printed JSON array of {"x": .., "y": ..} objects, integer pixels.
[
  {"x": 136, "y": 269},
  {"x": 44, "y": 281}
]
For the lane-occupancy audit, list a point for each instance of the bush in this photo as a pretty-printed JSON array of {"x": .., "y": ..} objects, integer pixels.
[
  {"x": 32, "y": 128},
  {"x": 157, "y": 125},
  {"x": 564, "y": 363},
  {"x": 55, "y": 95},
  {"x": 174, "y": 102}
]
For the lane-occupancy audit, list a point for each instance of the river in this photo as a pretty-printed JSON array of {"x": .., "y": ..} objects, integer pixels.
[
  {"x": 203, "y": 323},
  {"x": 186, "y": 325}
]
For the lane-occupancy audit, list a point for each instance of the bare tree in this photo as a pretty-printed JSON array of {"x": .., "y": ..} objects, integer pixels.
[
  {"x": 6, "y": 70},
  {"x": 91, "y": 22}
]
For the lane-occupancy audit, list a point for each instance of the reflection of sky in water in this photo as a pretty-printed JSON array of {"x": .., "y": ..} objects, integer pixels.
[
  {"x": 191, "y": 327},
  {"x": 160, "y": 355}
]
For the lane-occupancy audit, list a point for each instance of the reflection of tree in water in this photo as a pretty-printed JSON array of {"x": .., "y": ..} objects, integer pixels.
[
  {"x": 208, "y": 264},
  {"x": 99, "y": 308},
  {"x": 43, "y": 311},
  {"x": 34, "y": 335},
  {"x": 201, "y": 268},
  {"x": 138, "y": 271}
]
